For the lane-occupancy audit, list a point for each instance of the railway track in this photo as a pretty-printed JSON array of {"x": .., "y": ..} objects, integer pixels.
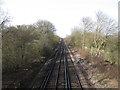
[{"x": 58, "y": 72}]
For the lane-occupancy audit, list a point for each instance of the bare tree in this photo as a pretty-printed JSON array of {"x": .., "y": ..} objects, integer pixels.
[
  {"x": 4, "y": 18},
  {"x": 86, "y": 26},
  {"x": 105, "y": 26}
]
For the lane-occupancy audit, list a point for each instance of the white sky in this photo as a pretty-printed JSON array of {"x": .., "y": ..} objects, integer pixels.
[{"x": 64, "y": 14}]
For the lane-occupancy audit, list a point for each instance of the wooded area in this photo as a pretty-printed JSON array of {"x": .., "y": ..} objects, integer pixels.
[
  {"x": 23, "y": 43},
  {"x": 99, "y": 37}
]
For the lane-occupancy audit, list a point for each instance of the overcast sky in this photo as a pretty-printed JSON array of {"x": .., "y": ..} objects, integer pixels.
[{"x": 64, "y": 14}]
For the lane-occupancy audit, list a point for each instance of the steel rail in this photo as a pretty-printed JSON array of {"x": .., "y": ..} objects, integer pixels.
[
  {"x": 83, "y": 71},
  {"x": 51, "y": 57},
  {"x": 58, "y": 73},
  {"x": 67, "y": 76},
  {"x": 46, "y": 79},
  {"x": 75, "y": 71}
]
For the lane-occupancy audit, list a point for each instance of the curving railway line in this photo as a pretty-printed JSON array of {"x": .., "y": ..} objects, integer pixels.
[{"x": 58, "y": 72}]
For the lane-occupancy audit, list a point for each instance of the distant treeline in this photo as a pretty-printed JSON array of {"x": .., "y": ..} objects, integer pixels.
[
  {"x": 99, "y": 37},
  {"x": 22, "y": 44}
]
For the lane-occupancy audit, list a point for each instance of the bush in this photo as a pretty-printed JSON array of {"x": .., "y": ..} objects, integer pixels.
[{"x": 111, "y": 49}]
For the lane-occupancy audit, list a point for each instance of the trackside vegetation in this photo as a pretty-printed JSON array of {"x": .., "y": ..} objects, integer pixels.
[
  {"x": 22, "y": 44},
  {"x": 99, "y": 37}
]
